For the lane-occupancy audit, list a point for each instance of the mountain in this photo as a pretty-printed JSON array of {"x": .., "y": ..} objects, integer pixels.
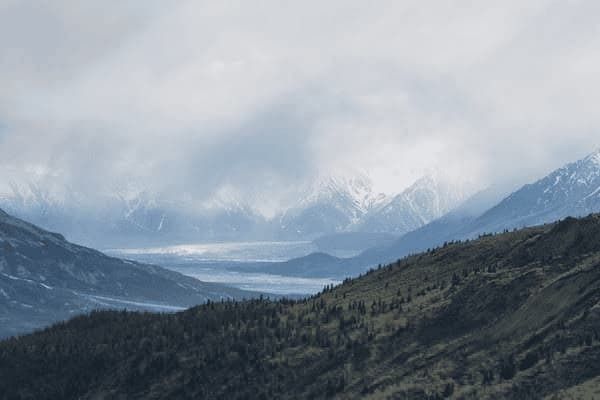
[
  {"x": 44, "y": 278},
  {"x": 449, "y": 227},
  {"x": 573, "y": 190},
  {"x": 330, "y": 205},
  {"x": 132, "y": 216},
  {"x": 513, "y": 315},
  {"x": 385, "y": 248},
  {"x": 314, "y": 265},
  {"x": 426, "y": 200},
  {"x": 348, "y": 217}
]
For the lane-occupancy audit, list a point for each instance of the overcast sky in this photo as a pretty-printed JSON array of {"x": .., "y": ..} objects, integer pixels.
[{"x": 259, "y": 95}]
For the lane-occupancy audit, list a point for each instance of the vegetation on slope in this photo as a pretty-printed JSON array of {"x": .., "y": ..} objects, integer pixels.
[{"x": 515, "y": 315}]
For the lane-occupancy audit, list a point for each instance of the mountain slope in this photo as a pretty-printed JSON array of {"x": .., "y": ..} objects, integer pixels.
[
  {"x": 426, "y": 200},
  {"x": 44, "y": 278},
  {"x": 449, "y": 227},
  {"x": 573, "y": 190},
  {"x": 507, "y": 316},
  {"x": 431, "y": 235},
  {"x": 330, "y": 205}
]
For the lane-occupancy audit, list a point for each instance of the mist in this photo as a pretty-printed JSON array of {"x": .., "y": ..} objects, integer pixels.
[{"x": 197, "y": 97}]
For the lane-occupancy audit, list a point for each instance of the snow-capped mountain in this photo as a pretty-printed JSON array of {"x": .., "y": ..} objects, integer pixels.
[
  {"x": 573, "y": 190},
  {"x": 332, "y": 204},
  {"x": 131, "y": 215},
  {"x": 82, "y": 218},
  {"x": 127, "y": 217},
  {"x": 357, "y": 190},
  {"x": 58, "y": 209},
  {"x": 426, "y": 200}
]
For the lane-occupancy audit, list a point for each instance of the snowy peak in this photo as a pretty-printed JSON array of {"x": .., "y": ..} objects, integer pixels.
[
  {"x": 572, "y": 182},
  {"x": 594, "y": 158},
  {"x": 226, "y": 199},
  {"x": 33, "y": 195},
  {"x": 331, "y": 204},
  {"x": 130, "y": 214},
  {"x": 356, "y": 190},
  {"x": 435, "y": 196},
  {"x": 427, "y": 199},
  {"x": 573, "y": 190}
]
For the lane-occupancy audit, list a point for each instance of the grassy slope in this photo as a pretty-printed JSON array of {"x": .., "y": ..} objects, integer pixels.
[{"x": 514, "y": 315}]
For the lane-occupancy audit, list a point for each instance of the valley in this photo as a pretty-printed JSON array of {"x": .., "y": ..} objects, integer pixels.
[
  {"x": 512, "y": 315},
  {"x": 235, "y": 200},
  {"x": 235, "y": 264}
]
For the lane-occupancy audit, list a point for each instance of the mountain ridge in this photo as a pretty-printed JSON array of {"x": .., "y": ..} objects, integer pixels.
[
  {"x": 132, "y": 217},
  {"x": 427, "y": 199},
  {"x": 527, "y": 206},
  {"x": 44, "y": 278}
]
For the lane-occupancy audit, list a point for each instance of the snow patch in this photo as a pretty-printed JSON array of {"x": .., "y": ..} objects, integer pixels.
[{"x": 152, "y": 306}]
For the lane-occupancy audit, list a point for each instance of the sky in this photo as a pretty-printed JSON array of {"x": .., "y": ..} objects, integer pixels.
[{"x": 196, "y": 97}]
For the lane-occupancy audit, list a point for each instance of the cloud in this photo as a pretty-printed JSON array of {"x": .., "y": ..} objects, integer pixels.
[{"x": 191, "y": 96}]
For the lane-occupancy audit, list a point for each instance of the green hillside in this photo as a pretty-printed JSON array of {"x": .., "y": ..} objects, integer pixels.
[{"x": 515, "y": 315}]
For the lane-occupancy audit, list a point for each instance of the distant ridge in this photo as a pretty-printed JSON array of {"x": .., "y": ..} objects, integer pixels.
[
  {"x": 131, "y": 216},
  {"x": 572, "y": 190},
  {"x": 44, "y": 279}
]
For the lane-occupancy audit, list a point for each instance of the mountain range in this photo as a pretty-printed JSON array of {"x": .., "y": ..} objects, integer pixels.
[
  {"x": 426, "y": 200},
  {"x": 330, "y": 205},
  {"x": 460, "y": 310},
  {"x": 572, "y": 190},
  {"x": 508, "y": 316},
  {"x": 135, "y": 217},
  {"x": 33, "y": 258}
]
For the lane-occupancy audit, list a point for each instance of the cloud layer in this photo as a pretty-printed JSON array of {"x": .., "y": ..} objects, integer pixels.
[{"x": 191, "y": 96}]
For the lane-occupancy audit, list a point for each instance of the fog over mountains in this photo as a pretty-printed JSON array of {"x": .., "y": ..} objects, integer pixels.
[
  {"x": 44, "y": 278},
  {"x": 135, "y": 216},
  {"x": 573, "y": 190},
  {"x": 350, "y": 199},
  {"x": 426, "y": 200}
]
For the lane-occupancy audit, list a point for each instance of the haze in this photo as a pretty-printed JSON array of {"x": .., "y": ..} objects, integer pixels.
[{"x": 196, "y": 97}]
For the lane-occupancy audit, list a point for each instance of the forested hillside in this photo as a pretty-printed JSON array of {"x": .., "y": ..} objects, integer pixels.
[{"x": 515, "y": 315}]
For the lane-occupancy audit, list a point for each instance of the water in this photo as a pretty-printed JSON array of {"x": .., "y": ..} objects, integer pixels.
[
  {"x": 209, "y": 262},
  {"x": 226, "y": 251},
  {"x": 259, "y": 282}
]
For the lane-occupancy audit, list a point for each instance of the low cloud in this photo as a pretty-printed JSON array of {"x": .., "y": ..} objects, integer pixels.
[{"x": 191, "y": 96}]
